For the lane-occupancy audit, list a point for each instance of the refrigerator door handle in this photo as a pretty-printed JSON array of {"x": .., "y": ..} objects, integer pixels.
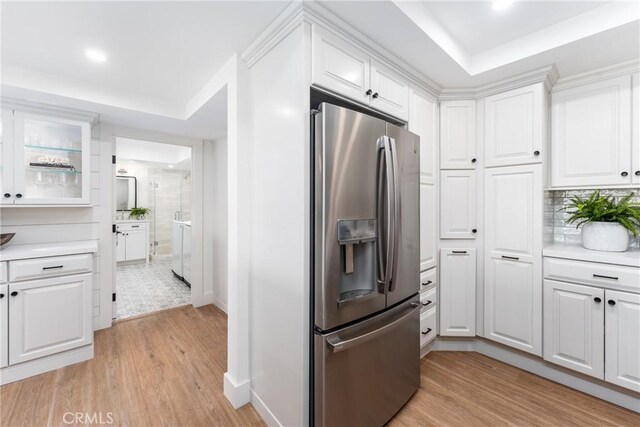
[
  {"x": 392, "y": 236},
  {"x": 385, "y": 267},
  {"x": 336, "y": 344}
]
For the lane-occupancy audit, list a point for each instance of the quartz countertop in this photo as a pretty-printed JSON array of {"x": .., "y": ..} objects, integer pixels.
[
  {"x": 11, "y": 252},
  {"x": 629, "y": 258}
]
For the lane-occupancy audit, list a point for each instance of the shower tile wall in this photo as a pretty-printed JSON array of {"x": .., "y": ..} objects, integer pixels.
[
  {"x": 173, "y": 194},
  {"x": 557, "y": 230}
]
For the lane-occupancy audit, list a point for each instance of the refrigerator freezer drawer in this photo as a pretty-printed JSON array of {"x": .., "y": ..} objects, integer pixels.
[{"x": 366, "y": 372}]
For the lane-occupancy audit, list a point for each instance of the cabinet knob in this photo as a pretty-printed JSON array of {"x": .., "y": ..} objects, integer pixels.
[
  {"x": 474, "y": 231},
  {"x": 611, "y": 302},
  {"x": 375, "y": 95},
  {"x": 14, "y": 293},
  {"x": 597, "y": 299},
  {"x": 7, "y": 195},
  {"x": 536, "y": 153},
  {"x": 637, "y": 173},
  {"x": 19, "y": 196},
  {"x": 625, "y": 173},
  {"x": 426, "y": 332},
  {"x": 1, "y": 296},
  {"x": 473, "y": 160},
  {"x": 368, "y": 92}
]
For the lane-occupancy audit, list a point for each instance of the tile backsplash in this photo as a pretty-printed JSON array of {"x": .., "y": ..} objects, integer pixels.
[{"x": 555, "y": 227}]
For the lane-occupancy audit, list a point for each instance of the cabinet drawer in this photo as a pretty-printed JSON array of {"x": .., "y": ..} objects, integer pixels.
[
  {"x": 428, "y": 279},
  {"x": 428, "y": 299},
  {"x": 28, "y": 269},
  {"x": 3, "y": 272},
  {"x": 132, "y": 227},
  {"x": 591, "y": 273},
  {"x": 428, "y": 326}
]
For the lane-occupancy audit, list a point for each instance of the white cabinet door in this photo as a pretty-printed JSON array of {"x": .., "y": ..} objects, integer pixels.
[
  {"x": 48, "y": 316},
  {"x": 176, "y": 249},
  {"x": 136, "y": 245},
  {"x": 457, "y": 292},
  {"x": 423, "y": 121},
  {"x": 339, "y": 66},
  {"x": 458, "y": 134},
  {"x": 591, "y": 134},
  {"x": 7, "y": 192},
  {"x": 121, "y": 246},
  {"x": 428, "y": 237},
  {"x": 4, "y": 325},
  {"x": 390, "y": 91},
  {"x": 622, "y": 343},
  {"x": 635, "y": 133},
  {"x": 514, "y": 126},
  {"x": 186, "y": 253},
  {"x": 458, "y": 204},
  {"x": 574, "y": 327}
]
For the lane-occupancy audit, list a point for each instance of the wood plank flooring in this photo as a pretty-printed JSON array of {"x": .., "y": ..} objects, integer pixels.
[
  {"x": 167, "y": 369},
  {"x": 469, "y": 389}
]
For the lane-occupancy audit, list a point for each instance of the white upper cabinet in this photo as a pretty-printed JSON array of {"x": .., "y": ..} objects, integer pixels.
[
  {"x": 339, "y": 66},
  {"x": 423, "y": 121},
  {"x": 390, "y": 91},
  {"x": 343, "y": 68},
  {"x": 591, "y": 135},
  {"x": 622, "y": 345},
  {"x": 515, "y": 126},
  {"x": 458, "y": 204},
  {"x": 7, "y": 193},
  {"x": 635, "y": 132},
  {"x": 574, "y": 327},
  {"x": 458, "y": 135},
  {"x": 458, "y": 292}
]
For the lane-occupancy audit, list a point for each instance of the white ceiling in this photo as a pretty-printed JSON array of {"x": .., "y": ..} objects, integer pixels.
[{"x": 152, "y": 152}]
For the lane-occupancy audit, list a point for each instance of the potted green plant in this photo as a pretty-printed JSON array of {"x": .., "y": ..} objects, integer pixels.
[
  {"x": 139, "y": 213},
  {"x": 606, "y": 224}
]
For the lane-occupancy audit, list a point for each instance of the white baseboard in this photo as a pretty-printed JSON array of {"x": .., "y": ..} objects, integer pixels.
[
  {"x": 536, "y": 365},
  {"x": 220, "y": 304},
  {"x": 237, "y": 393},
  {"x": 263, "y": 411},
  {"x": 45, "y": 364}
]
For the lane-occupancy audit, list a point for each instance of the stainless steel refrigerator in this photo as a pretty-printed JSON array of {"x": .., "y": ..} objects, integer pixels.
[{"x": 366, "y": 348}]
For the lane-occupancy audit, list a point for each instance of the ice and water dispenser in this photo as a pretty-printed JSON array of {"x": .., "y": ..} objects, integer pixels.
[{"x": 357, "y": 240}]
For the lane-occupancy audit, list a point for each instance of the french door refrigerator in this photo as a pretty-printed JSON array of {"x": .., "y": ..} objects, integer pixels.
[{"x": 366, "y": 272}]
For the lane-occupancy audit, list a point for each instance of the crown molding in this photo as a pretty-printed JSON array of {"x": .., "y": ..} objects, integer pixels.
[
  {"x": 49, "y": 110},
  {"x": 612, "y": 71}
]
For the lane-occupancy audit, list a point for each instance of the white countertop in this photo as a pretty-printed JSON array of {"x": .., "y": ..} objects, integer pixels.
[
  {"x": 11, "y": 252},
  {"x": 131, "y": 221},
  {"x": 629, "y": 258}
]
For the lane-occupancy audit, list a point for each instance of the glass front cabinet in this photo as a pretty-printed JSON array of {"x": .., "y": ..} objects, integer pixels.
[{"x": 45, "y": 160}]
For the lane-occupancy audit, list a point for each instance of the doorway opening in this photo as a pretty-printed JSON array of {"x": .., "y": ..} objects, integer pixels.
[{"x": 153, "y": 203}]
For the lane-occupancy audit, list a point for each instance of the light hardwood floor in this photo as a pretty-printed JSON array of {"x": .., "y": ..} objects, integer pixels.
[{"x": 167, "y": 369}]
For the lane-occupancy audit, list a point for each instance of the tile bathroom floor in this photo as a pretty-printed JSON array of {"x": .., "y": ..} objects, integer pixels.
[{"x": 145, "y": 288}]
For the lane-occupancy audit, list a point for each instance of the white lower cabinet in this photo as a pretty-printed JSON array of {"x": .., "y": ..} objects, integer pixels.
[
  {"x": 457, "y": 292},
  {"x": 622, "y": 339},
  {"x": 4, "y": 325},
  {"x": 428, "y": 326},
  {"x": 574, "y": 327},
  {"x": 48, "y": 316},
  {"x": 131, "y": 242}
]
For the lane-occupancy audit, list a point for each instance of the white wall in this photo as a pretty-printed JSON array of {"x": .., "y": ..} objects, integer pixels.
[{"x": 279, "y": 263}]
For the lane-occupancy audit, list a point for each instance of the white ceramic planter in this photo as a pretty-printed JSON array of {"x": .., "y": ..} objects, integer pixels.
[{"x": 605, "y": 236}]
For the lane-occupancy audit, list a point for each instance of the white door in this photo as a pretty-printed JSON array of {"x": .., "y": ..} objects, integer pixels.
[
  {"x": 574, "y": 327},
  {"x": 635, "y": 133},
  {"x": 390, "y": 91},
  {"x": 458, "y": 216},
  {"x": 121, "y": 246},
  {"x": 458, "y": 134},
  {"x": 591, "y": 134},
  {"x": 48, "y": 316},
  {"x": 339, "y": 66},
  {"x": 428, "y": 237},
  {"x": 176, "y": 249},
  {"x": 514, "y": 126},
  {"x": 136, "y": 244},
  {"x": 4, "y": 325},
  {"x": 457, "y": 292},
  {"x": 7, "y": 192},
  {"x": 622, "y": 339},
  {"x": 423, "y": 121},
  {"x": 513, "y": 256}
]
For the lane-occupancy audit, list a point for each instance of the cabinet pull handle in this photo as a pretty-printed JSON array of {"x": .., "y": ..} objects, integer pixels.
[
  {"x": 536, "y": 153},
  {"x": 427, "y": 331},
  {"x": 375, "y": 95},
  {"x": 428, "y": 282},
  {"x": 599, "y": 276},
  {"x": 597, "y": 299},
  {"x": 611, "y": 302},
  {"x": 54, "y": 267},
  {"x": 459, "y": 252},
  {"x": 135, "y": 226},
  {"x": 368, "y": 92},
  {"x": 515, "y": 258},
  {"x": 14, "y": 293},
  {"x": 424, "y": 304}
]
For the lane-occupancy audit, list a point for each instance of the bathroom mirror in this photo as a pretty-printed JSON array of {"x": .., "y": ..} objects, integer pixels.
[{"x": 126, "y": 193}]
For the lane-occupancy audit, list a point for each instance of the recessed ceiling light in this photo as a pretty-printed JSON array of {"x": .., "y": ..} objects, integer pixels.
[
  {"x": 501, "y": 4},
  {"x": 170, "y": 166},
  {"x": 95, "y": 55}
]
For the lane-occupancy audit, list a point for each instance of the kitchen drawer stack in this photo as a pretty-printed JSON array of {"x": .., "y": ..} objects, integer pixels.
[{"x": 429, "y": 309}]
